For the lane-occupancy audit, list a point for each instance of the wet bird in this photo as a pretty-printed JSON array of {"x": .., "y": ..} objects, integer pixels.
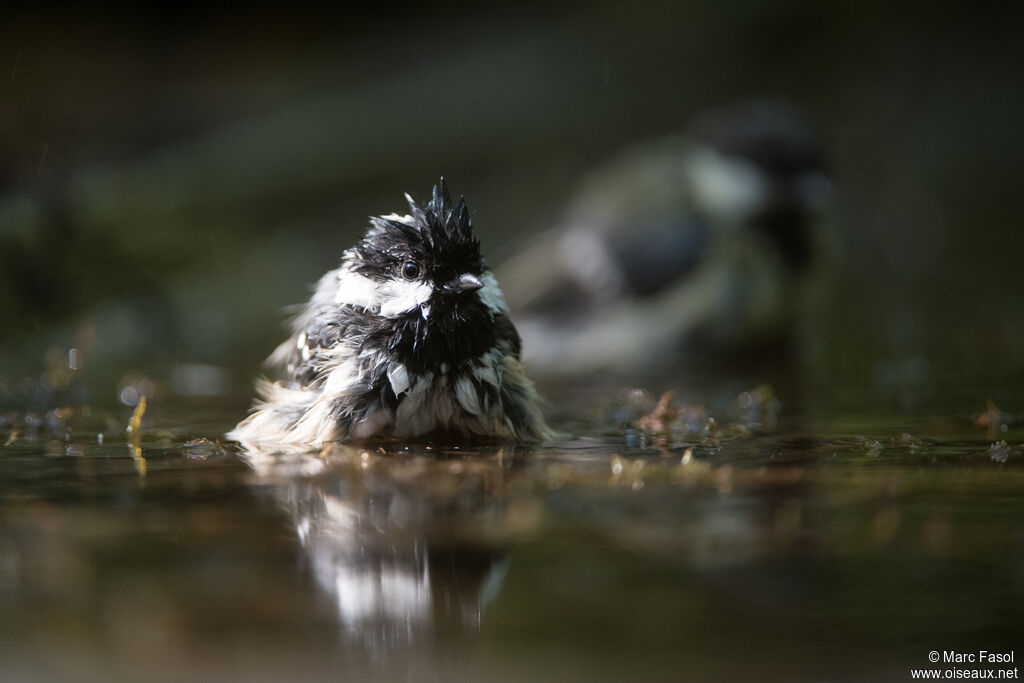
[
  {"x": 409, "y": 336},
  {"x": 698, "y": 241}
]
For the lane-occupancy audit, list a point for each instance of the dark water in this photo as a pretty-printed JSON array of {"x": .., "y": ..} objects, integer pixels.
[{"x": 834, "y": 545}]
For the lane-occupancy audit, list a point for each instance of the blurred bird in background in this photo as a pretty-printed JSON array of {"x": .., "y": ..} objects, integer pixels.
[{"x": 707, "y": 241}]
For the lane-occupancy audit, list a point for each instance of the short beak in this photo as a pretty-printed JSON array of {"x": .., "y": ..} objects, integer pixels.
[{"x": 467, "y": 282}]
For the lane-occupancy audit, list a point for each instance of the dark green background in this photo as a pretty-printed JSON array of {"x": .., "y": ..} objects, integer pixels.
[{"x": 171, "y": 179}]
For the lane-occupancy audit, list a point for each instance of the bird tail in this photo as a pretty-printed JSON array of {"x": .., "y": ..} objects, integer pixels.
[
  {"x": 283, "y": 417},
  {"x": 522, "y": 405}
]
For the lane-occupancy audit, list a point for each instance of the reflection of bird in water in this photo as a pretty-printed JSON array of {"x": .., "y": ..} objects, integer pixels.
[
  {"x": 386, "y": 539},
  {"x": 703, "y": 240}
]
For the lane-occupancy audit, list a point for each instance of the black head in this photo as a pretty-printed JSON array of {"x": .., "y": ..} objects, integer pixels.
[
  {"x": 781, "y": 146},
  {"x": 437, "y": 246},
  {"x": 433, "y": 292},
  {"x": 771, "y": 135}
]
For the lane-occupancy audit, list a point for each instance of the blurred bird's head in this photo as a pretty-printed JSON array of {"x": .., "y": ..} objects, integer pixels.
[
  {"x": 760, "y": 165},
  {"x": 423, "y": 284}
]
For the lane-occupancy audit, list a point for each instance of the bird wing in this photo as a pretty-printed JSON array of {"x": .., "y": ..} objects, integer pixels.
[
  {"x": 316, "y": 329},
  {"x": 658, "y": 252}
]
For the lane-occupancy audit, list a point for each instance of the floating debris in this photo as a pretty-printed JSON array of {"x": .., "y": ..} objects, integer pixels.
[
  {"x": 136, "y": 420},
  {"x": 133, "y": 436},
  {"x": 664, "y": 413},
  {"x": 201, "y": 448},
  {"x": 666, "y": 418},
  {"x": 999, "y": 451},
  {"x": 668, "y": 427}
]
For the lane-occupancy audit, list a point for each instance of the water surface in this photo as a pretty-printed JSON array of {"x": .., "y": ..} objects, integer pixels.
[{"x": 831, "y": 545}]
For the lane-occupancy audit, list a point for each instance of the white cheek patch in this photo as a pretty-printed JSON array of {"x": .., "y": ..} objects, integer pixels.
[
  {"x": 400, "y": 297},
  {"x": 356, "y": 290},
  {"x": 490, "y": 294},
  {"x": 729, "y": 186},
  {"x": 390, "y": 299}
]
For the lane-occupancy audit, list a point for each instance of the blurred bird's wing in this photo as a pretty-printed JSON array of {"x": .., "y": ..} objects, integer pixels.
[
  {"x": 626, "y": 335},
  {"x": 659, "y": 251}
]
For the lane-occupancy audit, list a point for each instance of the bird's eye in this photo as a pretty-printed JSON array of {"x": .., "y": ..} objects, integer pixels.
[{"x": 410, "y": 270}]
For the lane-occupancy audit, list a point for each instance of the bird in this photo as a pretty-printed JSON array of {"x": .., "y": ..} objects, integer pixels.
[
  {"x": 702, "y": 241},
  {"x": 409, "y": 336}
]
